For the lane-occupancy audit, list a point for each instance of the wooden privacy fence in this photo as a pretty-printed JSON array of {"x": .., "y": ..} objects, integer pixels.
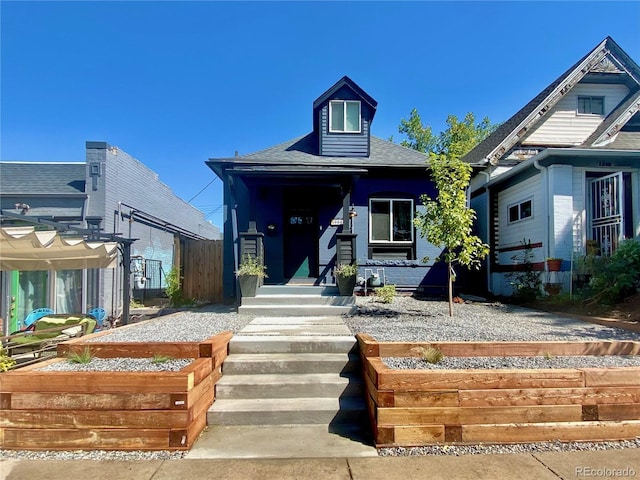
[{"x": 201, "y": 269}]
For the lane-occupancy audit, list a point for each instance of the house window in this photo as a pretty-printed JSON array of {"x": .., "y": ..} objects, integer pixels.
[
  {"x": 344, "y": 116},
  {"x": 391, "y": 220},
  {"x": 591, "y": 105},
  {"x": 521, "y": 211}
]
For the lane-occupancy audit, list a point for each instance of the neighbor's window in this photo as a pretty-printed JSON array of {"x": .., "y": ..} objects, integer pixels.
[
  {"x": 391, "y": 220},
  {"x": 520, "y": 211},
  {"x": 344, "y": 116},
  {"x": 591, "y": 105}
]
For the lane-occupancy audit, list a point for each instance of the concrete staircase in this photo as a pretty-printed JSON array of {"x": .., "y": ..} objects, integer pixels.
[
  {"x": 282, "y": 386},
  {"x": 297, "y": 300},
  {"x": 285, "y": 395}
]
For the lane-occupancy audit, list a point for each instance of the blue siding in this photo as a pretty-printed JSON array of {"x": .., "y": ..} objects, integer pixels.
[
  {"x": 344, "y": 144},
  {"x": 269, "y": 204}
]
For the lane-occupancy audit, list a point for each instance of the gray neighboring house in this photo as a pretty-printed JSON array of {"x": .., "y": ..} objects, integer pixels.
[
  {"x": 564, "y": 171},
  {"x": 111, "y": 192}
]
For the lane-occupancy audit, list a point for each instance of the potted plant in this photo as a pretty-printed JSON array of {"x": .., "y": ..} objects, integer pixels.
[
  {"x": 552, "y": 289},
  {"x": 554, "y": 264},
  {"x": 250, "y": 272},
  {"x": 346, "y": 278}
]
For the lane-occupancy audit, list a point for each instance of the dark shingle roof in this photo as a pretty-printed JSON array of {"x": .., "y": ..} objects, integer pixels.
[
  {"x": 352, "y": 85},
  {"x": 623, "y": 141},
  {"x": 41, "y": 178},
  {"x": 506, "y": 132},
  {"x": 302, "y": 151}
]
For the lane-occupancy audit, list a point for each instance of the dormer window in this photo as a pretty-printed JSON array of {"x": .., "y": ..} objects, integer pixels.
[
  {"x": 344, "y": 116},
  {"x": 590, "y": 105}
]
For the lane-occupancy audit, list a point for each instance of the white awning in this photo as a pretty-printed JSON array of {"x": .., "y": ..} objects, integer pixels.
[{"x": 23, "y": 248}]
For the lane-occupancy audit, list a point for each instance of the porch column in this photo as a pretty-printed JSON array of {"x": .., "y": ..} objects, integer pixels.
[{"x": 346, "y": 240}]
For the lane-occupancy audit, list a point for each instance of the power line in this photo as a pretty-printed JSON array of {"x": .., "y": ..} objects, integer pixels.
[{"x": 214, "y": 179}]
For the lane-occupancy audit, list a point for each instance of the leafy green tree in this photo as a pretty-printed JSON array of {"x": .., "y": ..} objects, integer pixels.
[
  {"x": 458, "y": 139},
  {"x": 446, "y": 221},
  {"x": 461, "y": 136},
  {"x": 419, "y": 137}
]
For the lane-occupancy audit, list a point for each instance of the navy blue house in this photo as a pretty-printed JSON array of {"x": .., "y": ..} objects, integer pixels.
[{"x": 335, "y": 195}]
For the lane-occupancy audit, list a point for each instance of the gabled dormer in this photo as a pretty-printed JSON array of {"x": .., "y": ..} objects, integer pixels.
[{"x": 342, "y": 118}]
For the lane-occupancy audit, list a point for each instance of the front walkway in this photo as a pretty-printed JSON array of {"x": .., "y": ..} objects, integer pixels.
[{"x": 291, "y": 412}]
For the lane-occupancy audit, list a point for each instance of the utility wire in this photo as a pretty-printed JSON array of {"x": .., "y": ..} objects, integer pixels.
[{"x": 214, "y": 179}]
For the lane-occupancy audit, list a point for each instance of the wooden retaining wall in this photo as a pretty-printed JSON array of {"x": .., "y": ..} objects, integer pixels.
[
  {"x": 55, "y": 410},
  {"x": 426, "y": 407}
]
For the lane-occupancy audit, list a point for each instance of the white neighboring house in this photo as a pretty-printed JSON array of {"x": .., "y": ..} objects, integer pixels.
[{"x": 563, "y": 170}]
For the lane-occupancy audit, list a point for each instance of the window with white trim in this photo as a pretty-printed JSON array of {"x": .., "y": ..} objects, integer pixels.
[
  {"x": 344, "y": 116},
  {"x": 590, "y": 105},
  {"x": 390, "y": 220},
  {"x": 521, "y": 211}
]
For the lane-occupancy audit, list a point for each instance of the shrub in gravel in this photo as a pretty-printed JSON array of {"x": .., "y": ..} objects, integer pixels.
[
  {"x": 432, "y": 354},
  {"x": 83, "y": 357},
  {"x": 386, "y": 294}
]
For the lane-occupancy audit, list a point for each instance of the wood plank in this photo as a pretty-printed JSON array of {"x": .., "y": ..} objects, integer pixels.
[
  {"x": 96, "y": 382},
  {"x": 369, "y": 371},
  {"x": 368, "y": 346},
  {"x": 205, "y": 386},
  {"x": 479, "y": 415},
  {"x": 214, "y": 344},
  {"x": 439, "y": 398},
  {"x": 90, "y": 401},
  {"x": 92, "y": 439},
  {"x": 382, "y": 398},
  {"x": 548, "y": 396},
  {"x": 200, "y": 368},
  {"x": 409, "y": 436},
  {"x": 613, "y": 376},
  {"x": 385, "y": 436},
  {"x": 89, "y": 419},
  {"x": 416, "y": 380},
  {"x": 619, "y": 412},
  {"x": 132, "y": 349},
  {"x": 544, "y": 432},
  {"x": 502, "y": 349}
]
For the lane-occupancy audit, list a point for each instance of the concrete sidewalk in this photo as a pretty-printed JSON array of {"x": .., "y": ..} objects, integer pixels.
[{"x": 609, "y": 464}]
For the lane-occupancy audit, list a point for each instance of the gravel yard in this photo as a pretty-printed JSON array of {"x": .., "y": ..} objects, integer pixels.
[
  {"x": 184, "y": 326},
  {"x": 411, "y": 320},
  {"x": 407, "y": 319}
]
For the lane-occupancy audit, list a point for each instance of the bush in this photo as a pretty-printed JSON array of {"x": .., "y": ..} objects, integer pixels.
[
  {"x": 174, "y": 289},
  {"x": 432, "y": 354},
  {"x": 386, "y": 294},
  {"x": 6, "y": 362},
  {"x": 346, "y": 270},
  {"x": 619, "y": 277},
  {"x": 525, "y": 282},
  {"x": 251, "y": 266}
]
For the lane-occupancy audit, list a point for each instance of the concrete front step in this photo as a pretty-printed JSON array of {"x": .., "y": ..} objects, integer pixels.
[
  {"x": 261, "y": 363},
  {"x": 289, "y": 386},
  {"x": 297, "y": 310},
  {"x": 296, "y": 299},
  {"x": 301, "y": 329},
  {"x": 319, "y": 290},
  {"x": 287, "y": 411},
  {"x": 292, "y": 344}
]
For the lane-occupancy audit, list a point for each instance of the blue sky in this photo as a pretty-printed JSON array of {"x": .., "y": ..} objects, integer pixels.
[{"x": 175, "y": 83}]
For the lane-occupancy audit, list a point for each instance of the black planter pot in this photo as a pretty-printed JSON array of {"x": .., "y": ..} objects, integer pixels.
[
  {"x": 248, "y": 285},
  {"x": 346, "y": 285}
]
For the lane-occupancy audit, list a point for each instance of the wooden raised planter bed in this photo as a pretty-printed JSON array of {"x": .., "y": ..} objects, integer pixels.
[
  {"x": 427, "y": 407},
  {"x": 59, "y": 410}
]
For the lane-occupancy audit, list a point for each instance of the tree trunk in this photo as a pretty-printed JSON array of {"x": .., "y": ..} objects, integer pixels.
[{"x": 450, "y": 290}]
